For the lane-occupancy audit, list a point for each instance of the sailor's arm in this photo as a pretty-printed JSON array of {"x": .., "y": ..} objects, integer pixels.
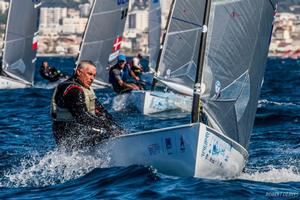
[
  {"x": 127, "y": 85},
  {"x": 101, "y": 111},
  {"x": 134, "y": 76}
]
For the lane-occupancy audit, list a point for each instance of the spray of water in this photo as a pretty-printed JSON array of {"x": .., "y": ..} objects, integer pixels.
[
  {"x": 57, "y": 166},
  {"x": 120, "y": 102},
  {"x": 263, "y": 102},
  {"x": 273, "y": 175}
]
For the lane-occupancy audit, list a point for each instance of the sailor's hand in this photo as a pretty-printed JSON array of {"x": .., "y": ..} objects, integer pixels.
[
  {"x": 135, "y": 87},
  {"x": 137, "y": 78}
]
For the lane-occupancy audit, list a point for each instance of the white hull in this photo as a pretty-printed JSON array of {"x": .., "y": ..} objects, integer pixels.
[
  {"x": 189, "y": 150},
  {"x": 100, "y": 85},
  {"x": 49, "y": 85},
  {"x": 149, "y": 102},
  {"x": 9, "y": 83},
  {"x": 147, "y": 77}
]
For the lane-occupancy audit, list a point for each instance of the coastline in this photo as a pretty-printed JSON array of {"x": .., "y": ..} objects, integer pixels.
[
  {"x": 270, "y": 55},
  {"x": 55, "y": 55}
]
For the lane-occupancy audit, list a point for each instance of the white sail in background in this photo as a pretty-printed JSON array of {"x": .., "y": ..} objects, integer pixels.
[
  {"x": 103, "y": 35},
  {"x": 20, "y": 42},
  {"x": 154, "y": 31},
  {"x": 178, "y": 62}
]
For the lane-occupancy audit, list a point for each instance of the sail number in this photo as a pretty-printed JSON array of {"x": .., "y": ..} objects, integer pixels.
[{"x": 121, "y": 2}]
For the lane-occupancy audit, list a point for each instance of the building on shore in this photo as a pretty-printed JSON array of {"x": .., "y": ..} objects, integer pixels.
[{"x": 61, "y": 28}]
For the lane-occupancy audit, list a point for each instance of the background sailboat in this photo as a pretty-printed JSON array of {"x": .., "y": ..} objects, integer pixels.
[
  {"x": 103, "y": 36},
  {"x": 20, "y": 45},
  {"x": 230, "y": 75},
  {"x": 177, "y": 60}
]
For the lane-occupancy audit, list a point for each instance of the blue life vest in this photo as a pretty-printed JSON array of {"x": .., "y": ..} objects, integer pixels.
[{"x": 125, "y": 73}]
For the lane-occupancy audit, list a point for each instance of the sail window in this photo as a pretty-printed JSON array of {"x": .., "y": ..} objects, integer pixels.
[{"x": 233, "y": 91}]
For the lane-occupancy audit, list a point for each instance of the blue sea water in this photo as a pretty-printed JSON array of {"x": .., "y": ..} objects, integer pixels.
[{"x": 31, "y": 167}]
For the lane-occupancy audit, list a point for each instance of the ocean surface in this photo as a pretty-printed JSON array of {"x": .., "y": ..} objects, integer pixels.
[{"x": 32, "y": 167}]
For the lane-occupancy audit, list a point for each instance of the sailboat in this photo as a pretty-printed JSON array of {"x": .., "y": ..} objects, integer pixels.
[
  {"x": 154, "y": 101},
  {"x": 103, "y": 36},
  {"x": 20, "y": 45},
  {"x": 232, "y": 53}
]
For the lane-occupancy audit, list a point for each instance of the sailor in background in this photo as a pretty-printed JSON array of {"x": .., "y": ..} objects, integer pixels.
[
  {"x": 50, "y": 73},
  {"x": 79, "y": 120},
  {"x": 136, "y": 67},
  {"x": 122, "y": 77}
]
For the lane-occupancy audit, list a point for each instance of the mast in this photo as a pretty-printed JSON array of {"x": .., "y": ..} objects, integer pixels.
[
  {"x": 197, "y": 104},
  {"x": 154, "y": 81}
]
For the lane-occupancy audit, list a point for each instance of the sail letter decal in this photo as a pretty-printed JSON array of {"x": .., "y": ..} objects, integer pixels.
[
  {"x": 117, "y": 43},
  {"x": 121, "y": 2}
]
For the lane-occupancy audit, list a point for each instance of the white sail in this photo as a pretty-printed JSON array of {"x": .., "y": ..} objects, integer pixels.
[
  {"x": 103, "y": 35},
  {"x": 235, "y": 58},
  {"x": 154, "y": 32},
  {"x": 20, "y": 42},
  {"x": 178, "y": 62}
]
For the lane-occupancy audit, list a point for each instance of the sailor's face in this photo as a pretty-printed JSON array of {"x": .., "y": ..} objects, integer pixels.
[
  {"x": 45, "y": 64},
  {"x": 87, "y": 75},
  {"x": 122, "y": 64}
]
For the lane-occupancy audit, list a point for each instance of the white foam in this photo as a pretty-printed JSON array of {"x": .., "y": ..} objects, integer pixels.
[
  {"x": 263, "y": 102},
  {"x": 57, "y": 166},
  {"x": 43, "y": 85},
  {"x": 273, "y": 175},
  {"x": 120, "y": 102}
]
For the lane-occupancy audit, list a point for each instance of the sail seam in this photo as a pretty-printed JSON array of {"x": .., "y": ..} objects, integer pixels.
[
  {"x": 272, "y": 4},
  {"x": 188, "y": 22}
]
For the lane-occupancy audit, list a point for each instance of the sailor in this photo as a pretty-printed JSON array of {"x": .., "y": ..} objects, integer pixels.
[
  {"x": 50, "y": 73},
  {"x": 120, "y": 75},
  {"x": 136, "y": 66},
  {"x": 79, "y": 120}
]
